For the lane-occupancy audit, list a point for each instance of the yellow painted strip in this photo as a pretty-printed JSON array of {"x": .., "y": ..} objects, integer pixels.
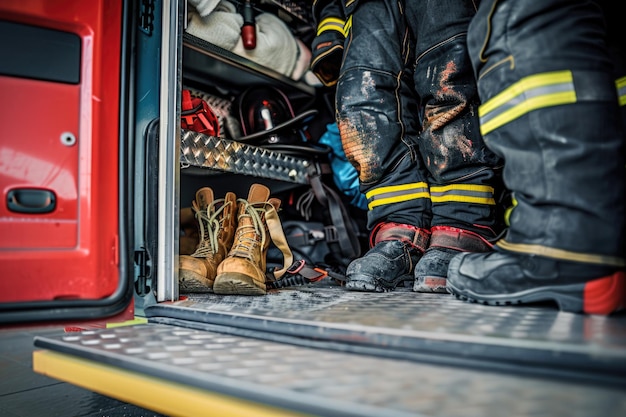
[
  {"x": 170, "y": 398},
  {"x": 136, "y": 320}
]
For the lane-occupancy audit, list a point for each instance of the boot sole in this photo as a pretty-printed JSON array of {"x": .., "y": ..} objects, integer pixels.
[
  {"x": 374, "y": 285},
  {"x": 189, "y": 281},
  {"x": 234, "y": 283},
  {"x": 431, "y": 285},
  {"x": 601, "y": 296}
]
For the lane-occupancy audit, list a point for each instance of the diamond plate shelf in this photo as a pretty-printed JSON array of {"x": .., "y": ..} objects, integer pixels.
[{"x": 223, "y": 155}]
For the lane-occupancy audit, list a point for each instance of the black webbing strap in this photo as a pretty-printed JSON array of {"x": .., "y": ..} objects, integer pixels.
[{"x": 345, "y": 237}]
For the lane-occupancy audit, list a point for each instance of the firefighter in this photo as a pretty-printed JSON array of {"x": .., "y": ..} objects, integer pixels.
[
  {"x": 547, "y": 84},
  {"x": 406, "y": 107}
]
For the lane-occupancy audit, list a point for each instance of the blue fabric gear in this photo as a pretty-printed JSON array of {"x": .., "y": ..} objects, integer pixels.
[{"x": 344, "y": 174}]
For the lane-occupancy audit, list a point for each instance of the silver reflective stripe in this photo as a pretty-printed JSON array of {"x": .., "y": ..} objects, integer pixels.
[{"x": 530, "y": 93}]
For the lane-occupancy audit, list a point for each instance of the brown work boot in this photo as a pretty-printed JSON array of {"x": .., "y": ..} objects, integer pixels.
[
  {"x": 217, "y": 221},
  {"x": 243, "y": 270}
]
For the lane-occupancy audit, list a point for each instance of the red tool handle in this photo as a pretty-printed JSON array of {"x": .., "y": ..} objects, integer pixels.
[{"x": 248, "y": 30}]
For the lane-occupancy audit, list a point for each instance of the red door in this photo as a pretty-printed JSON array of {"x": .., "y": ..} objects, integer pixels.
[{"x": 59, "y": 146}]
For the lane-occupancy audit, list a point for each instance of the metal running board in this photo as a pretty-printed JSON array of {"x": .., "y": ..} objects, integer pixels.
[
  {"x": 174, "y": 368},
  {"x": 431, "y": 328}
]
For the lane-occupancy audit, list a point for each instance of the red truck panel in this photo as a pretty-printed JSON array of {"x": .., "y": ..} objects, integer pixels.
[{"x": 59, "y": 155}]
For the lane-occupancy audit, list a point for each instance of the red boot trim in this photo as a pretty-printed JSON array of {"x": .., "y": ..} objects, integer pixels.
[
  {"x": 605, "y": 295},
  {"x": 458, "y": 239},
  {"x": 414, "y": 236}
]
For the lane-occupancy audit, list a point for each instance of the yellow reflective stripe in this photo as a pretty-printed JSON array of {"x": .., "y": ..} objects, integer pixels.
[
  {"x": 395, "y": 188},
  {"x": 397, "y": 199},
  {"x": 464, "y": 193},
  {"x": 561, "y": 254},
  {"x": 347, "y": 26},
  {"x": 621, "y": 90},
  {"x": 509, "y": 210},
  {"x": 396, "y": 194},
  {"x": 331, "y": 23},
  {"x": 528, "y": 94}
]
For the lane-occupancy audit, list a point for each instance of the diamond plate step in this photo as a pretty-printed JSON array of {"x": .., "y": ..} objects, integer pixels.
[
  {"x": 431, "y": 327},
  {"x": 325, "y": 382}
]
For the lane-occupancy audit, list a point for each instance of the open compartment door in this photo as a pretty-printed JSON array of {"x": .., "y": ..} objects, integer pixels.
[{"x": 60, "y": 134}]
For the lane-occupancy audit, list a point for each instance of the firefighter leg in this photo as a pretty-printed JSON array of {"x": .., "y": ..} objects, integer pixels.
[
  {"x": 376, "y": 115},
  {"x": 463, "y": 174},
  {"x": 550, "y": 108}
]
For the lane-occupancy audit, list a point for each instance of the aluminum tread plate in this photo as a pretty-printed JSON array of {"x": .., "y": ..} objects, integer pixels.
[
  {"x": 223, "y": 155},
  {"x": 325, "y": 382},
  {"x": 405, "y": 322}
]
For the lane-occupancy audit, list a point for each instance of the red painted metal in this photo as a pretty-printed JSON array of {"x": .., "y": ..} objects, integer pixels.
[{"x": 71, "y": 252}]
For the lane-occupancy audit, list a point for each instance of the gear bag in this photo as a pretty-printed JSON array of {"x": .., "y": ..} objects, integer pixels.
[
  {"x": 196, "y": 115},
  {"x": 319, "y": 225}
]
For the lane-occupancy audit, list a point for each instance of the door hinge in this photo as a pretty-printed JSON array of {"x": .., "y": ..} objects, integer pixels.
[
  {"x": 142, "y": 275},
  {"x": 146, "y": 16}
]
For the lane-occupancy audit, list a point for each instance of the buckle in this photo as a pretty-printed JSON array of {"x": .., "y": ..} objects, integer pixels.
[
  {"x": 331, "y": 234},
  {"x": 299, "y": 273}
]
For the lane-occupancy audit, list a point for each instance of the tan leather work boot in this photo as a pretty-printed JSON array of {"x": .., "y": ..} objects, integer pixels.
[
  {"x": 243, "y": 270},
  {"x": 217, "y": 221}
]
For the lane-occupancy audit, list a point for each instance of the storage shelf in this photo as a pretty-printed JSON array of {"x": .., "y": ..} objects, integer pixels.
[
  {"x": 205, "y": 63},
  {"x": 223, "y": 155}
]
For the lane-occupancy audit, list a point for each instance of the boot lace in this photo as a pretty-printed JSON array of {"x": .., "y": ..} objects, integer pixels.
[
  {"x": 252, "y": 236},
  {"x": 210, "y": 226},
  {"x": 247, "y": 238}
]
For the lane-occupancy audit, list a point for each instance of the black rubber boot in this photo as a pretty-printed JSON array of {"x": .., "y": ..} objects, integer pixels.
[
  {"x": 432, "y": 269},
  {"x": 506, "y": 278},
  {"x": 446, "y": 242},
  {"x": 395, "y": 250},
  {"x": 554, "y": 118}
]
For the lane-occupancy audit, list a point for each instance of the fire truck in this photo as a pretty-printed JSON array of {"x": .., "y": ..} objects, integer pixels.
[{"x": 96, "y": 171}]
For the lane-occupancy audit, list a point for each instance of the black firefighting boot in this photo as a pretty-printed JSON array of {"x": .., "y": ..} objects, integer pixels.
[
  {"x": 216, "y": 221},
  {"x": 445, "y": 242},
  {"x": 243, "y": 271},
  {"x": 395, "y": 249},
  {"x": 558, "y": 128},
  {"x": 505, "y": 278}
]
